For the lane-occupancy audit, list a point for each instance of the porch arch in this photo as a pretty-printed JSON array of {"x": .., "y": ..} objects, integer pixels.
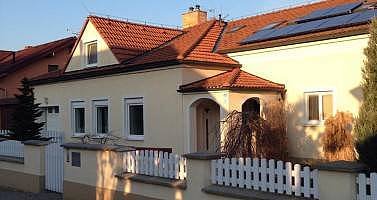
[{"x": 205, "y": 115}]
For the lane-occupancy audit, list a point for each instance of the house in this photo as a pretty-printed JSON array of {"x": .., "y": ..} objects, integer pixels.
[
  {"x": 163, "y": 87},
  {"x": 28, "y": 62}
]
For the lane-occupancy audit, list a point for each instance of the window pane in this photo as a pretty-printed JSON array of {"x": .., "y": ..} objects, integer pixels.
[
  {"x": 102, "y": 119},
  {"x": 92, "y": 53},
  {"x": 327, "y": 106},
  {"x": 136, "y": 120},
  {"x": 313, "y": 107},
  {"x": 79, "y": 120}
]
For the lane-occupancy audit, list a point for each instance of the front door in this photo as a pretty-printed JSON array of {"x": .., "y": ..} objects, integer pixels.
[{"x": 208, "y": 126}]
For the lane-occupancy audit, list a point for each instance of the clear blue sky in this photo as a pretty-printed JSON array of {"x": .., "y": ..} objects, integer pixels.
[{"x": 31, "y": 22}]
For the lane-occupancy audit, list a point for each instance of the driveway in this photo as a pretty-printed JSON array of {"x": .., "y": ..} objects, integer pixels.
[{"x": 10, "y": 194}]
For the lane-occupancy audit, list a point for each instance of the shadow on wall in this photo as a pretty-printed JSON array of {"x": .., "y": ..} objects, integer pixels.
[{"x": 303, "y": 140}]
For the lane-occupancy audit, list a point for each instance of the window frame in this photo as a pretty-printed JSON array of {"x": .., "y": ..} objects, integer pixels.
[
  {"x": 74, "y": 105},
  {"x": 320, "y": 94},
  {"x": 100, "y": 102},
  {"x": 86, "y": 49},
  {"x": 127, "y": 101}
]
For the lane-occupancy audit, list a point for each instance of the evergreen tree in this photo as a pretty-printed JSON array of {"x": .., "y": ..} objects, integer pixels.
[
  {"x": 24, "y": 125},
  {"x": 366, "y": 123}
]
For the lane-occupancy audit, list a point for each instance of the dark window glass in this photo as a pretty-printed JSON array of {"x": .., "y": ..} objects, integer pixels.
[
  {"x": 92, "y": 53},
  {"x": 102, "y": 119},
  {"x": 313, "y": 107},
  {"x": 79, "y": 120},
  {"x": 76, "y": 159},
  {"x": 136, "y": 120},
  {"x": 52, "y": 68}
]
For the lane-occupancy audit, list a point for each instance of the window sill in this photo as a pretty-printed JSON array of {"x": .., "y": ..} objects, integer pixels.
[
  {"x": 135, "y": 138},
  {"x": 314, "y": 123},
  {"x": 91, "y": 65},
  {"x": 78, "y": 135}
]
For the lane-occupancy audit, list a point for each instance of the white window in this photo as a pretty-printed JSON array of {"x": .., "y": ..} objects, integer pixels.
[
  {"x": 78, "y": 117},
  {"x": 319, "y": 106},
  {"x": 134, "y": 118},
  {"x": 101, "y": 116},
  {"x": 91, "y": 53}
]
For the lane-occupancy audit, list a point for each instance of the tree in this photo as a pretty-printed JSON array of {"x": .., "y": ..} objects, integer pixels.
[
  {"x": 24, "y": 124},
  {"x": 366, "y": 123}
]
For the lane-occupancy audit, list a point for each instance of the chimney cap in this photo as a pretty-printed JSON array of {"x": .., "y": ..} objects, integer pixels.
[
  {"x": 197, "y": 7},
  {"x": 191, "y": 8}
]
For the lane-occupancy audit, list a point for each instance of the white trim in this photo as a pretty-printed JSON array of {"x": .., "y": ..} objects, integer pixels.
[
  {"x": 96, "y": 102},
  {"x": 86, "y": 44},
  {"x": 77, "y": 104},
  {"x": 320, "y": 93},
  {"x": 135, "y": 100}
]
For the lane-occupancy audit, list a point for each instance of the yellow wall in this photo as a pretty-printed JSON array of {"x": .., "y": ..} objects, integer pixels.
[
  {"x": 105, "y": 56},
  {"x": 325, "y": 65},
  {"x": 163, "y": 105}
]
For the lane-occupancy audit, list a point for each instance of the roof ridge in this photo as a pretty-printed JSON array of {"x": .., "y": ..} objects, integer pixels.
[
  {"x": 222, "y": 73},
  {"x": 134, "y": 23},
  {"x": 281, "y": 10},
  {"x": 200, "y": 38},
  {"x": 45, "y": 44},
  {"x": 235, "y": 73}
]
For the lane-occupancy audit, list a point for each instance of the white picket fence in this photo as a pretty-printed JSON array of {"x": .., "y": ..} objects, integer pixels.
[
  {"x": 16, "y": 148},
  {"x": 11, "y": 147},
  {"x": 269, "y": 176},
  {"x": 367, "y": 186},
  {"x": 155, "y": 163}
]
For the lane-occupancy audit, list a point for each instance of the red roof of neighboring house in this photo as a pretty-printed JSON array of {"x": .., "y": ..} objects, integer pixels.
[
  {"x": 231, "y": 40},
  {"x": 4, "y": 54},
  {"x": 31, "y": 54},
  {"x": 234, "y": 79},
  {"x": 197, "y": 44}
]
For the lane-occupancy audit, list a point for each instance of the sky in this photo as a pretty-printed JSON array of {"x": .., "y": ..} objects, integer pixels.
[{"x": 32, "y": 22}]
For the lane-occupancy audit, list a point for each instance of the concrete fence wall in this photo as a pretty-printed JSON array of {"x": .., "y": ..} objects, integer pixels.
[
  {"x": 95, "y": 172},
  {"x": 27, "y": 173}
]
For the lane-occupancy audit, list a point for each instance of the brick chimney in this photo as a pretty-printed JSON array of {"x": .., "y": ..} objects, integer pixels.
[{"x": 193, "y": 17}]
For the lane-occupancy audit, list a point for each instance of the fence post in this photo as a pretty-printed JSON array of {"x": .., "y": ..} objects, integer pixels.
[
  {"x": 198, "y": 174},
  {"x": 34, "y": 162},
  {"x": 338, "y": 176}
]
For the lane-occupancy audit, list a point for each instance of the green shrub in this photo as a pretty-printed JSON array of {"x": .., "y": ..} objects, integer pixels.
[{"x": 368, "y": 152}]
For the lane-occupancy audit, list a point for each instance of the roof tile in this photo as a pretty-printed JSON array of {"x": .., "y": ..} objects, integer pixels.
[{"x": 234, "y": 79}]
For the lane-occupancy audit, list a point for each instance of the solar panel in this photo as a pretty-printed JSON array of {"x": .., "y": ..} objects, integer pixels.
[
  {"x": 308, "y": 26},
  {"x": 257, "y": 36},
  {"x": 334, "y": 11},
  {"x": 364, "y": 17},
  {"x": 333, "y": 22},
  {"x": 338, "y": 21}
]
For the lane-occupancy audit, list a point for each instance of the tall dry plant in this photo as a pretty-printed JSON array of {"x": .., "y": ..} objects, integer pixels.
[
  {"x": 247, "y": 135},
  {"x": 338, "y": 141}
]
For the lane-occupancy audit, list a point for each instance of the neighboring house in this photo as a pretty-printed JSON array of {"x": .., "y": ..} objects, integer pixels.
[
  {"x": 29, "y": 62},
  {"x": 162, "y": 87}
]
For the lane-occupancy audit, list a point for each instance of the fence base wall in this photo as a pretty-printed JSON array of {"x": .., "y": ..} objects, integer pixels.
[
  {"x": 21, "y": 181},
  {"x": 25, "y": 174},
  {"x": 337, "y": 185},
  {"x": 73, "y": 191}
]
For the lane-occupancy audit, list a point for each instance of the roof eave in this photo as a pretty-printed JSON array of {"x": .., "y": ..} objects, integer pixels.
[{"x": 231, "y": 89}]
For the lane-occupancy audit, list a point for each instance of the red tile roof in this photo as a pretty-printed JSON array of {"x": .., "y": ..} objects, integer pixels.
[
  {"x": 196, "y": 44},
  {"x": 234, "y": 79},
  {"x": 31, "y": 54},
  {"x": 127, "y": 40},
  {"x": 230, "y": 41}
]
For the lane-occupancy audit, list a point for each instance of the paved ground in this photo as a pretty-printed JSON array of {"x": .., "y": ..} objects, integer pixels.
[{"x": 10, "y": 194}]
